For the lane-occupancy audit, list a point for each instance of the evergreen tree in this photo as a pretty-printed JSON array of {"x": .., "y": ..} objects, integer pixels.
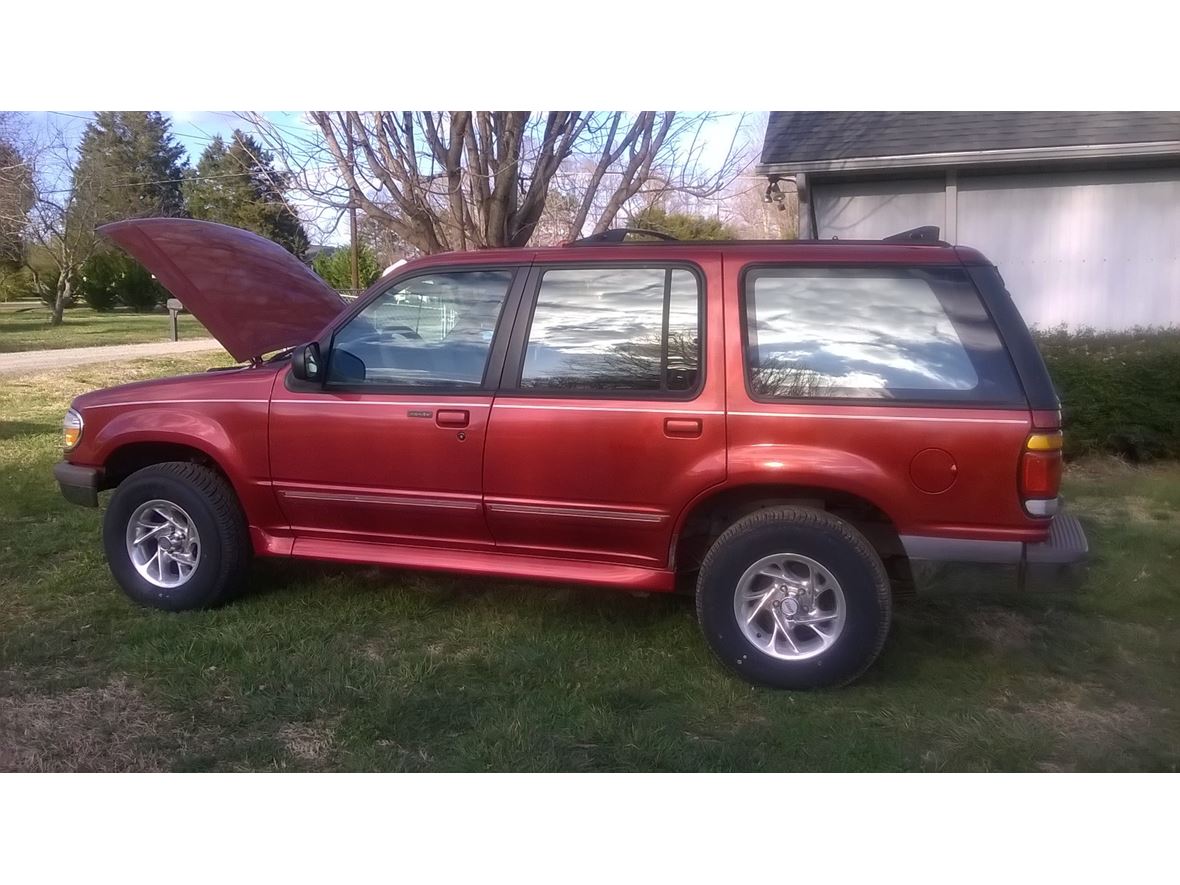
[
  {"x": 681, "y": 225},
  {"x": 237, "y": 184},
  {"x": 131, "y": 165},
  {"x": 16, "y": 198},
  {"x": 335, "y": 266}
]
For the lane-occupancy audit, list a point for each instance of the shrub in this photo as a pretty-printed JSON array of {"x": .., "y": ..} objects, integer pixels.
[
  {"x": 16, "y": 283},
  {"x": 1120, "y": 391}
]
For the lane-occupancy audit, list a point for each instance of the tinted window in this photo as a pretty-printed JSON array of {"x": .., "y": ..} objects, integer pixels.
[
  {"x": 615, "y": 329},
  {"x": 872, "y": 333},
  {"x": 433, "y": 330}
]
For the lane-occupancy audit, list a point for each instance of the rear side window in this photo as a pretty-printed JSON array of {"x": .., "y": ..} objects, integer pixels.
[
  {"x": 872, "y": 333},
  {"x": 615, "y": 330}
]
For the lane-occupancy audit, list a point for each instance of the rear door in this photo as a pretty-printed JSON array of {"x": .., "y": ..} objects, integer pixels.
[
  {"x": 390, "y": 448},
  {"x": 611, "y": 410}
]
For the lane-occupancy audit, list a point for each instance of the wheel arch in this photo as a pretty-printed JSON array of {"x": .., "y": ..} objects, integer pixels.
[
  {"x": 705, "y": 518},
  {"x": 130, "y": 456},
  {"x": 140, "y": 437}
]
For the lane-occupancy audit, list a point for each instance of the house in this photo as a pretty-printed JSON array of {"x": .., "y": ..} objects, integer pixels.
[{"x": 1080, "y": 211}]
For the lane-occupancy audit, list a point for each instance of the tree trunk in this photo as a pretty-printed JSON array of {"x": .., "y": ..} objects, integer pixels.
[{"x": 62, "y": 299}]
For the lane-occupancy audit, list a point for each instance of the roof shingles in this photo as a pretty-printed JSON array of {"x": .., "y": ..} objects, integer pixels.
[{"x": 806, "y": 136}]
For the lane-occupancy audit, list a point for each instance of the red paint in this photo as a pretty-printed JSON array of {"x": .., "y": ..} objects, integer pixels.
[
  {"x": 362, "y": 467},
  {"x": 549, "y": 488}
]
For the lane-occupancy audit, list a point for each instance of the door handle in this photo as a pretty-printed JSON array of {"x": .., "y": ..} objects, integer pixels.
[
  {"x": 451, "y": 417},
  {"x": 683, "y": 427}
]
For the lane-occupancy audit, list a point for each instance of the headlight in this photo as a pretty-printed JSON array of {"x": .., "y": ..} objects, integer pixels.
[{"x": 71, "y": 429}]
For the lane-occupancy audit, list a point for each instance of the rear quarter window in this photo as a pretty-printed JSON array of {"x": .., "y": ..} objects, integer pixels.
[{"x": 909, "y": 334}]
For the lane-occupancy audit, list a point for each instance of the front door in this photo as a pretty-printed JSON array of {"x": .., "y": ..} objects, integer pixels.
[
  {"x": 611, "y": 414},
  {"x": 390, "y": 448}
]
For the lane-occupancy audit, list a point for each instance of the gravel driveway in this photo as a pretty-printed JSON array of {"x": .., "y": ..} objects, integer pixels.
[{"x": 40, "y": 360}]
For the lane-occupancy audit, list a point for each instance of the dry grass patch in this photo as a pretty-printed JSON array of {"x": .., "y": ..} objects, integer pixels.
[
  {"x": 309, "y": 741},
  {"x": 107, "y": 728},
  {"x": 1087, "y": 722},
  {"x": 1002, "y": 629}
]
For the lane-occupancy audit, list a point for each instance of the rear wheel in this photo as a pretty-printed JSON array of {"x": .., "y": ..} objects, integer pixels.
[
  {"x": 792, "y": 597},
  {"x": 175, "y": 537}
]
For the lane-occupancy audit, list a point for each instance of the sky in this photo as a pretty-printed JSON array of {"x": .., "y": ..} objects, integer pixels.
[{"x": 195, "y": 129}]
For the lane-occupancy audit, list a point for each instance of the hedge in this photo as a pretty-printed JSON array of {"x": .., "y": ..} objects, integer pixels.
[{"x": 1120, "y": 391}]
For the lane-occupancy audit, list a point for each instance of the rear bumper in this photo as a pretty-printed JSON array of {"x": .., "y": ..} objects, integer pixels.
[
  {"x": 955, "y": 564},
  {"x": 78, "y": 484}
]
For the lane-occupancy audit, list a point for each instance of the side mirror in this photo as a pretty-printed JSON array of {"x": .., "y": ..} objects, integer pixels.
[{"x": 305, "y": 362}]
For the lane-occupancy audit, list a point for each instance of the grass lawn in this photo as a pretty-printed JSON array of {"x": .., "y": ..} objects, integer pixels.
[
  {"x": 356, "y": 668},
  {"x": 29, "y": 328}
]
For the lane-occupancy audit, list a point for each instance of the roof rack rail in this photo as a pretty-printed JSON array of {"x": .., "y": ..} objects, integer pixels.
[
  {"x": 925, "y": 235},
  {"x": 619, "y": 234},
  {"x": 918, "y": 236}
]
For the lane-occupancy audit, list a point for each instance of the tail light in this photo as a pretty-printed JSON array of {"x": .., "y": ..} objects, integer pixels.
[{"x": 1040, "y": 473}]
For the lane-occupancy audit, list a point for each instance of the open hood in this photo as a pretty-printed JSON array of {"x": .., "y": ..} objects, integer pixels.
[{"x": 252, "y": 295}]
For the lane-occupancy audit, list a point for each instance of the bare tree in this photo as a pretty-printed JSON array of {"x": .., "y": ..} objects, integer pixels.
[
  {"x": 744, "y": 204},
  {"x": 57, "y": 220},
  {"x": 462, "y": 179}
]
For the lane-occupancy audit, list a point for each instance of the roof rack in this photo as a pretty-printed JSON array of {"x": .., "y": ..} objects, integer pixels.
[
  {"x": 927, "y": 235},
  {"x": 918, "y": 236},
  {"x": 619, "y": 234}
]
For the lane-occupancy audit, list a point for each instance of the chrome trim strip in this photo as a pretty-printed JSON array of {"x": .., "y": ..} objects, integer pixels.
[
  {"x": 545, "y": 510},
  {"x": 428, "y": 403},
  {"x": 388, "y": 500},
  {"x": 171, "y": 402},
  {"x": 609, "y": 409},
  {"x": 862, "y": 417}
]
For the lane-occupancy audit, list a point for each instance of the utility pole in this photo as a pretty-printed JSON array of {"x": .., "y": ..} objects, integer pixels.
[{"x": 356, "y": 275}]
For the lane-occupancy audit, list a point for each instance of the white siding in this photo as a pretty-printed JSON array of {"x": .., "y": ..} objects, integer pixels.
[
  {"x": 1095, "y": 249},
  {"x": 872, "y": 210}
]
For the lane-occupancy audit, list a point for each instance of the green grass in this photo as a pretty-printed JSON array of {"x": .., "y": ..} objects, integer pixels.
[
  {"x": 29, "y": 328},
  {"x": 329, "y": 668}
]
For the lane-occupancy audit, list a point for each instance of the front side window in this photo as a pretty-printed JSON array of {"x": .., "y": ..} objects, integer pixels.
[
  {"x": 872, "y": 333},
  {"x": 611, "y": 330},
  {"x": 433, "y": 330}
]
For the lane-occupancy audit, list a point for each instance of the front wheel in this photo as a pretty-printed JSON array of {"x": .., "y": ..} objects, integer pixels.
[
  {"x": 792, "y": 597},
  {"x": 175, "y": 537}
]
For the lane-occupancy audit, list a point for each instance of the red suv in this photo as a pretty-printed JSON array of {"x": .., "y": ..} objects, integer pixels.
[{"x": 792, "y": 427}]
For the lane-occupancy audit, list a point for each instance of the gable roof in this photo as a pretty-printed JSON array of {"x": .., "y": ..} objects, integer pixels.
[{"x": 799, "y": 141}]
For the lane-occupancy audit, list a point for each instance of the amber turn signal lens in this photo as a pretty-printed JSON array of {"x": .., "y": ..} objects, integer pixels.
[
  {"x": 71, "y": 427},
  {"x": 1045, "y": 442}
]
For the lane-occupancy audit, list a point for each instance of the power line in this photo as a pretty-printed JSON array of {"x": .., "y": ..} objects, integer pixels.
[{"x": 132, "y": 183}]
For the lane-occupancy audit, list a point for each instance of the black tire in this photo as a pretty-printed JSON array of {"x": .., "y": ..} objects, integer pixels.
[
  {"x": 822, "y": 537},
  {"x": 214, "y": 510}
]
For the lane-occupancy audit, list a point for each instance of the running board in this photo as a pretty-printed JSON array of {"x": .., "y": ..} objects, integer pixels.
[{"x": 501, "y": 565}]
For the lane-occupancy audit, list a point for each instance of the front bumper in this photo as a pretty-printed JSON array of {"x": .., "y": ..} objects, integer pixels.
[
  {"x": 1056, "y": 563},
  {"x": 78, "y": 484}
]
